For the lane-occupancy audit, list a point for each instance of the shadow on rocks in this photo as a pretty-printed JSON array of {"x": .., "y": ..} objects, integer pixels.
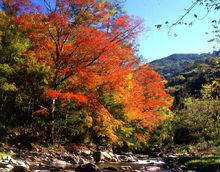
[
  {"x": 19, "y": 169},
  {"x": 90, "y": 167}
]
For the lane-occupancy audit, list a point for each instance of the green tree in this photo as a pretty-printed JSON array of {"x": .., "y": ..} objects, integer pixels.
[
  {"x": 12, "y": 46},
  {"x": 199, "y": 119}
]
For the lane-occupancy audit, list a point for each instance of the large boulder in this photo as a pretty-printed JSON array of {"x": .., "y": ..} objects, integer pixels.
[{"x": 104, "y": 156}]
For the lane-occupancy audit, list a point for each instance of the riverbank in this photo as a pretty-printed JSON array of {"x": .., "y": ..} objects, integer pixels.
[
  {"x": 58, "y": 158},
  {"x": 81, "y": 159}
]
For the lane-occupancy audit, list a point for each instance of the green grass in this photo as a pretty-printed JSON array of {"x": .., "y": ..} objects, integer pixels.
[
  {"x": 205, "y": 160},
  {"x": 204, "y": 163}
]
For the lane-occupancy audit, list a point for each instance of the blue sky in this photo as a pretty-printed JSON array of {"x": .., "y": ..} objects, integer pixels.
[{"x": 155, "y": 44}]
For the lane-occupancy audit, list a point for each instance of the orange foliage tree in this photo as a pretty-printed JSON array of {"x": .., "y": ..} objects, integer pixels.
[{"x": 88, "y": 48}]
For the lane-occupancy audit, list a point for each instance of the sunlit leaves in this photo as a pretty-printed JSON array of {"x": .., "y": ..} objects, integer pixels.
[{"x": 64, "y": 97}]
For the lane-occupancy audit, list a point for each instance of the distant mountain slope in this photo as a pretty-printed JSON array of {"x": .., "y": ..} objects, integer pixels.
[
  {"x": 173, "y": 65},
  {"x": 193, "y": 81}
]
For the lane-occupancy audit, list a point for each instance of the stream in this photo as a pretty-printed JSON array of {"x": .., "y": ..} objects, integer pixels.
[
  {"x": 54, "y": 161},
  {"x": 139, "y": 166},
  {"x": 148, "y": 165}
]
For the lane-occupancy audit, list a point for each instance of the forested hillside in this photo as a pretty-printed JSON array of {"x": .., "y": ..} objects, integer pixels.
[
  {"x": 195, "y": 85},
  {"x": 174, "y": 64}
]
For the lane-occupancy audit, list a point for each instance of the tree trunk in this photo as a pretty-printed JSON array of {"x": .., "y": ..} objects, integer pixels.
[{"x": 51, "y": 123}]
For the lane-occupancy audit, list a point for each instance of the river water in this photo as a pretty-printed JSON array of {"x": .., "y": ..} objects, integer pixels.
[
  {"x": 140, "y": 165},
  {"x": 149, "y": 165}
]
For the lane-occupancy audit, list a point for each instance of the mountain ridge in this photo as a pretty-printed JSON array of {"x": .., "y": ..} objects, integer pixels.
[{"x": 174, "y": 64}]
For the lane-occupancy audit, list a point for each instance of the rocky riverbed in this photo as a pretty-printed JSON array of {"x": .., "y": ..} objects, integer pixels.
[{"x": 46, "y": 160}]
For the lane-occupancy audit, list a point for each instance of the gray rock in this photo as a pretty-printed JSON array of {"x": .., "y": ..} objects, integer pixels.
[
  {"x": 60, "y": 164},
  {"x": 125, "y": 158},
  {"x": 90, "y": 167},
  {"x": 132, "y": 158},
  {"x": 9, "y": 166},
  {"x": 21, "y": 164},
  {"x": 104, "y": 156}
]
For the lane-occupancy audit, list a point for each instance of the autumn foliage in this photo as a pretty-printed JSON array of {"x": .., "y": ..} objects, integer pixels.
[{"x": 86, "y": 51}]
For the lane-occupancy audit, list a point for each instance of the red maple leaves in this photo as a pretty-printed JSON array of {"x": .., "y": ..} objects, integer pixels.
[{"x": 87, "y": 47}]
